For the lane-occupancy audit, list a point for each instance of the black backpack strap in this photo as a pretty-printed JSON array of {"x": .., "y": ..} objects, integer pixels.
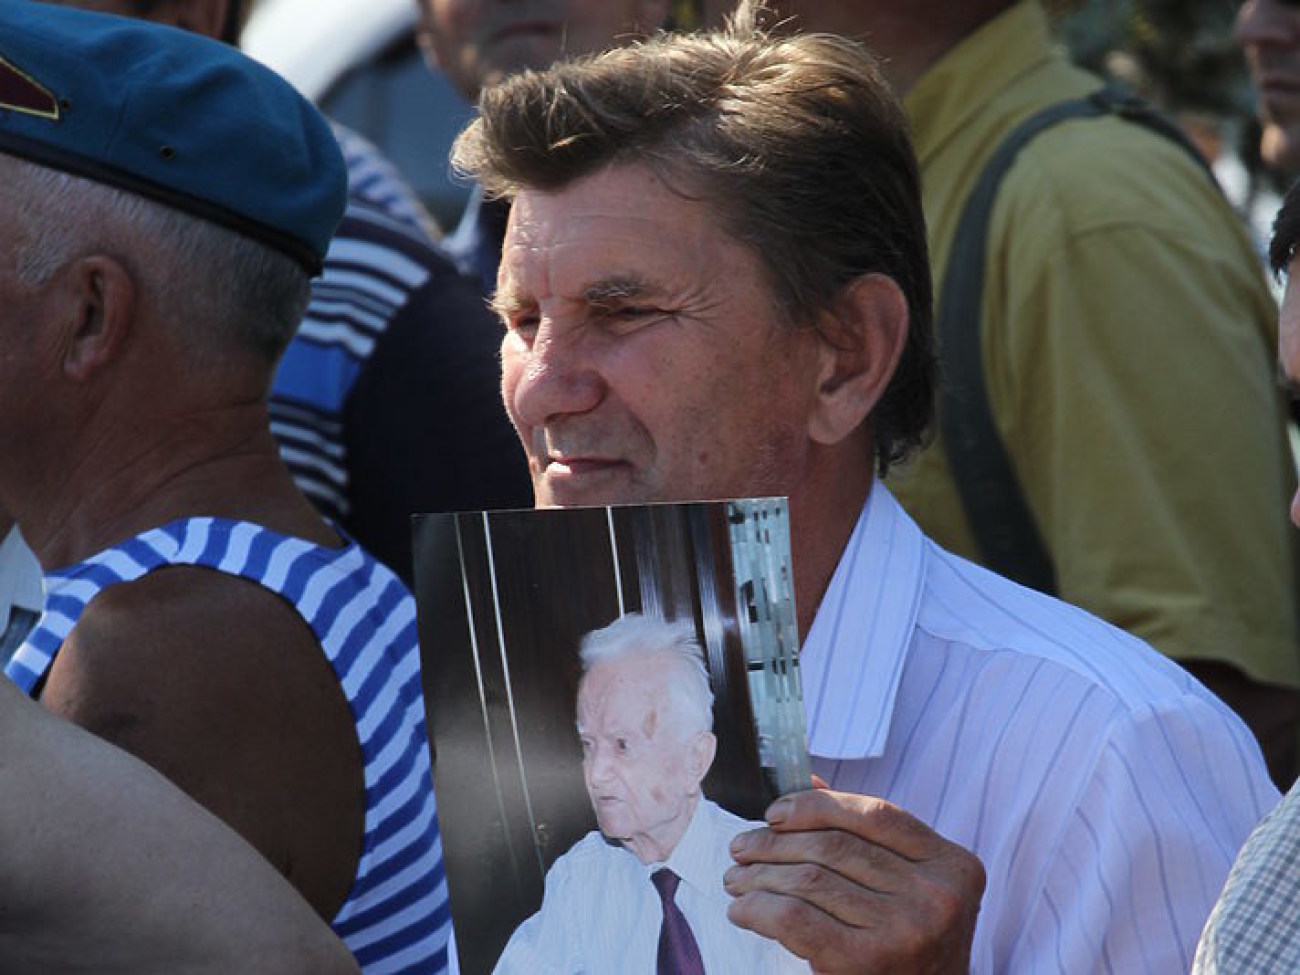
[{"x": 1004, "y": 528}]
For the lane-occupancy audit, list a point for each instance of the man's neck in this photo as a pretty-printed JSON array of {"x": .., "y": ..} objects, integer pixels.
[
  {"x": 222, "y": 463},
  {"x": 659, "y": 846},
  {"x": 822, "y": 518}
]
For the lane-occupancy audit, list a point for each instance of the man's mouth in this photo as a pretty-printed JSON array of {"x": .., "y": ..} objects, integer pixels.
[{"x": 579, "y": 466}]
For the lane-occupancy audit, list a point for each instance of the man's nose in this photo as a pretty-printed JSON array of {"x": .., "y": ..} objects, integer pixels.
[
  {"x": 598, "y": 764},
  {"x": 553, "y": 378}
]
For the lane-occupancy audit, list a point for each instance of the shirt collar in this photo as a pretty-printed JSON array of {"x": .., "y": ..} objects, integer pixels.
[
  {"x": 693, "y": 857},
  {"x": 852, "y": 660},
  {"x": 964, "y": 81}
]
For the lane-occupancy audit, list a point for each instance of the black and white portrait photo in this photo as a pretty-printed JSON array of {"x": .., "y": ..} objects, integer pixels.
[{"x": 613, "y": 696}]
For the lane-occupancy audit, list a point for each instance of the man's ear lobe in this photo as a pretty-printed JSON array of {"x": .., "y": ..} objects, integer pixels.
[
  {"x": 101, "y": 303},
  {"x": 859, "y": 352}
]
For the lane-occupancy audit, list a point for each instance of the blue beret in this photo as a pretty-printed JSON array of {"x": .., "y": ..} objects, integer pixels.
[{"x": 173, "y": 116}]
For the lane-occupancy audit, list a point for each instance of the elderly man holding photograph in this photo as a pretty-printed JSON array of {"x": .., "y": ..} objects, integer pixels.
[
  {"x": 715, "y": 283},
  {"x": 645, "y": 892}
]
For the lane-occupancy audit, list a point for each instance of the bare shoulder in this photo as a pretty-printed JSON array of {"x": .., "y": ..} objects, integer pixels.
[
  {"x": 219, "y": 684},
  {"x": 187, "y": 640}
]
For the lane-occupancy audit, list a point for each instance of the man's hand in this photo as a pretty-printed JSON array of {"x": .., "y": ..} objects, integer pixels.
[{"x": 855, "y": 884}]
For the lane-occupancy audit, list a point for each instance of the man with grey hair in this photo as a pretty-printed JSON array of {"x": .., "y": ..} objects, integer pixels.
[
  {"x": 646, "y": 889},
  {"x": 200, "y": 614},
  {"x": 395, "y": 351}
]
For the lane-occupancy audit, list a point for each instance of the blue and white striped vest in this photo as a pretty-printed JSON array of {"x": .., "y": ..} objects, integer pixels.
[{"x": 396, "y": 917}]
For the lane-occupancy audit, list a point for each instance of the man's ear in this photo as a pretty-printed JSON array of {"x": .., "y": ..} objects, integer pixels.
[
  {"x": 862, "y": 338},
  {"x": 100, "y": 303},
  {"x": 700, "y": 754}
]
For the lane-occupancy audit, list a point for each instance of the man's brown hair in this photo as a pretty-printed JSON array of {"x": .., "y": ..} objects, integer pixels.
[{"x": 797, "y": 144}]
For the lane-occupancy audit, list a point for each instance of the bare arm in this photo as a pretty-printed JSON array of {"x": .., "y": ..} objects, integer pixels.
[
  {"x": 104, "y": 866},
  {"x": 854, "y": 884},
  {"x": 220, "y": 686}
]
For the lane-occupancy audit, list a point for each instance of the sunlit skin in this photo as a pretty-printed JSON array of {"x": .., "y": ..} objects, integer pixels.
[
  {"x": 1288, "y": 346},
  {"x": 476, "y": 43},
  {"x": 642, "y": 762},
  {"x": 644, "y": 359},
  {"x": 1269, "y": 34}
]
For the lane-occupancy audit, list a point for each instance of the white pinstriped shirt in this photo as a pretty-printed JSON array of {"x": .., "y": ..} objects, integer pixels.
[
  {"x": 601, "y": 915},
  {"x": 1105, "y": 791}
]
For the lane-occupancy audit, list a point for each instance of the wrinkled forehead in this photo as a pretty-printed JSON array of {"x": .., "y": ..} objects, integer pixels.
[
  {"x": 622, "y": 224},
  {"x": 624, "y": 693}
]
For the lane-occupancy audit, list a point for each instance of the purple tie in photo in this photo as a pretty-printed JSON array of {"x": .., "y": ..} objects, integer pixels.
[{"x": 678, "y": 952}]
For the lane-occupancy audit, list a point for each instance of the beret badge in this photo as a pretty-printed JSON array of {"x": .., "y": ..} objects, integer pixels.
[{"x": 19, "y": 92}]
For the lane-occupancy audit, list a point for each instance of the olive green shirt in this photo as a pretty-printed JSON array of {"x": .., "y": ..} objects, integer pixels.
[{"x": 1129, "y": 350}]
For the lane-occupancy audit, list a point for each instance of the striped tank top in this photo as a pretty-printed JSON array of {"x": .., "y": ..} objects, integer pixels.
[{"x": 396, "y": 917}]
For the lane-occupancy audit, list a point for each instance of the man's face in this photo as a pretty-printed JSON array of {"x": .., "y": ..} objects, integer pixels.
[
  {"x": 476, "y": 43},
  {"x": 1269, "y": 33},
  {"x": 642, "y": 767},
  {"x": 644, "y": 358},
  {"x": 1288, "y": 345}
]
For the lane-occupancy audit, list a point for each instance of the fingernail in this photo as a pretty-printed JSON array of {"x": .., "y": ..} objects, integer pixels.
[
  {"x": 778, "y": 812},
  {"x": 730, "y": 878},
  {"x": 740, "y": 844}
]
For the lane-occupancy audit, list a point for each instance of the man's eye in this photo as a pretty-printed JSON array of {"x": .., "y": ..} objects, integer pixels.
[
  {"x": 629, "y": 318},
  {"x": 622, "y": 744}
]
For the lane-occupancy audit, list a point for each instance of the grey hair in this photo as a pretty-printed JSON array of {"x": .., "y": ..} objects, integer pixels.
[
  {"x": 634, "y": 636},
  {"x": 217, "y": 285}
]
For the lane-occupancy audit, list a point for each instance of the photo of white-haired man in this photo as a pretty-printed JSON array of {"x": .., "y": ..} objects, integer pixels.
[{"x": 644, "y": 893}]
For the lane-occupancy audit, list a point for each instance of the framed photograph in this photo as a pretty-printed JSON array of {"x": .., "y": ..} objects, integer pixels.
[{"x": 506, "y": 600}]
